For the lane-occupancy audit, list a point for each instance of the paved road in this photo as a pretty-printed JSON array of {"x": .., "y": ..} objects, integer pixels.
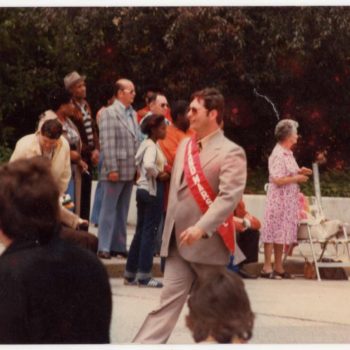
[{"x": 297, "y": 311}]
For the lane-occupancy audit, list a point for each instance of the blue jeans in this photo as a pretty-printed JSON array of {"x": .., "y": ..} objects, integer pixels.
[
  {"x": 96, "y": 209},
  {"x": 149, "y": 211},
  {"x": 71, "y": 192}
]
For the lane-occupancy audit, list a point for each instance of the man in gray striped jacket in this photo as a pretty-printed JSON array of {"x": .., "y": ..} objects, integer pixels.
[{"x": 119, "y": 141}]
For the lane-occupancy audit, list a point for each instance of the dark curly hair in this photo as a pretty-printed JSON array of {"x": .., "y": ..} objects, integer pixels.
[
  {"x": 150, "y": 122},
  {"x": 220, "y": 308},
  {"x": 59, "y": 97},
  {"x": 29, "y": 207}
]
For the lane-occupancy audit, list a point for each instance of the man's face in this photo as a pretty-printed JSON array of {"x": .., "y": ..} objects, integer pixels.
[
  {"x": 127, "y": 94},
  {"x": 78, "y": 90},
  {"x": 198, "y": 115},
  {"x": 160, "y": 105},
  {"x": 47, "y": 144}
]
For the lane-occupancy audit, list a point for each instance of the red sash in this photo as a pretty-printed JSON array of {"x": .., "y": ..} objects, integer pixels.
[{"x": 203, "y": 193}]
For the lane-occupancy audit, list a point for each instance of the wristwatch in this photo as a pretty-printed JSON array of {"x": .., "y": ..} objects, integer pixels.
[
  {"x": 207, "y": 235},
  {"x": 246, "y": 223}
]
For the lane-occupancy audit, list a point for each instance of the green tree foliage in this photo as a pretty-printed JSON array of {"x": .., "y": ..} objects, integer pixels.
[{"x": 299, "y": 57}]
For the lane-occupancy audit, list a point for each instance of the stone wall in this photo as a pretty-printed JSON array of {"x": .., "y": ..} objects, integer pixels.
[{"x": 334, "y": 208}]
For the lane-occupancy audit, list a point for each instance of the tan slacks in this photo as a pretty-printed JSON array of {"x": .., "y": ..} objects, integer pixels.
[{"x": 179, "y": 276}]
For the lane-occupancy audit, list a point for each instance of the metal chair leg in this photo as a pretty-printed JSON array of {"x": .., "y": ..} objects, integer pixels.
[
  {"x": 346, "y": 240},
  {"x": 313, "y": 254}
]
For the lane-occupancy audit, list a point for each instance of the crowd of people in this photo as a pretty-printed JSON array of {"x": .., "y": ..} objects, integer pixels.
[{"x": 190, "y": 181}]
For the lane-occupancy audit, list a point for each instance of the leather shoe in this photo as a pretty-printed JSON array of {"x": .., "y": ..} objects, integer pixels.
[
  {"x": 104, "y": 255},
  {"x": 246, "y": 275},
  {"x": 121, "y": 254}
]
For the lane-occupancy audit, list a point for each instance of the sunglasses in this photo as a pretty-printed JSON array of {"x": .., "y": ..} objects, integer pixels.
[
  {"x": 164, "y": 105},
  {"x": 194, "y": 110}
]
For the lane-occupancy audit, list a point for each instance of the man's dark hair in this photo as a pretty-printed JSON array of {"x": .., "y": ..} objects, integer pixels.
[
  {"x": 58, "y": 98},
  {"x": 213, "y": 100},
  {"x": 151, "y": 122},
  {"x": 52, "y": 129},
  {"x": 28, "y": 200},
  {"x": 178, "y": 108},
  {"x": 219, "y": 307}
]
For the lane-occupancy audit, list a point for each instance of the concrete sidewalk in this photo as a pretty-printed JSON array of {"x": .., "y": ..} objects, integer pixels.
[{"x": 287, "y": 311}]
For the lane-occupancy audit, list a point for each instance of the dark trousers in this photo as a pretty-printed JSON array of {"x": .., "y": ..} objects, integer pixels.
[
  {"x": 80, "y": 238},
  {"x": 85, "y": 194},
  {"x": 149, "y": 211},
  {"x": 248, "y": 241}
]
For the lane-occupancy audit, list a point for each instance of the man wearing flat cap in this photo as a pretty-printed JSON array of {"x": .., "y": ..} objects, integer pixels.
[{"x": 82, "y": 118}]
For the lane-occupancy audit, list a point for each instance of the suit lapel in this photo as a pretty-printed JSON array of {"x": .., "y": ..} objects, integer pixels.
[
  {"x": 209, "y": 153},
  {"x": 120, "y": 116},
  {"x": 180, "y": 168}
]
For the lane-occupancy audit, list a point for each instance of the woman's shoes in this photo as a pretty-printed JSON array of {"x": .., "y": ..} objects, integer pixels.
[
  {"x": 268, "y": 275},
  {"x": 284, "y": 275},
  {"x": 274, "y": 275}
]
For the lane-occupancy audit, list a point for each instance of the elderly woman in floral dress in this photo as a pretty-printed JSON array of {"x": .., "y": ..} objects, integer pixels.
[{"x": 282, "y": 204}]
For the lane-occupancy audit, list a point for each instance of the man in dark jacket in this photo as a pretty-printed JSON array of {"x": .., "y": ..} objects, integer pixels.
[
  {"x": 86, "y": 124},
  {"x": 51, "y": 292}
]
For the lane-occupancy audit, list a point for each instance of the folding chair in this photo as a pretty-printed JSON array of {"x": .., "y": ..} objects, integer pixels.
[{"x": 309, "y": 225}]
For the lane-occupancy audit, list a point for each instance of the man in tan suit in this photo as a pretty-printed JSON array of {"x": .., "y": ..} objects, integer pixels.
[{"x": 191, "y": 244}]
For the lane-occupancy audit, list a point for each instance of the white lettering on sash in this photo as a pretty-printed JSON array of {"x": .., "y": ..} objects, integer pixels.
[
  {"x": 196, "y": 179},
  {"x": 191, "y": 165}
]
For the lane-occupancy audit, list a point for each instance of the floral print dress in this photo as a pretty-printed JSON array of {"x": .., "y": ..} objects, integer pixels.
[{"x": 282, "y": 203}]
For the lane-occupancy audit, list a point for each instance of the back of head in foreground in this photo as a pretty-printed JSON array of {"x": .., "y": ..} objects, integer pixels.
[
  {"x": 219, "y": 309},
  {"x": 28, "y": 201},
  {"x": 52, "y": 292}
]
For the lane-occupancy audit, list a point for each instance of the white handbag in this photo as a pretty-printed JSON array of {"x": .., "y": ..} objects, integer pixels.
[{"x": 320, "y": 229}]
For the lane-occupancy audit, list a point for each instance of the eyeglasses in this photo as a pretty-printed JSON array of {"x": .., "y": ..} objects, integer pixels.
[
  {"x": 130, "y": 91},
  {"x": 164, "y": 105}
]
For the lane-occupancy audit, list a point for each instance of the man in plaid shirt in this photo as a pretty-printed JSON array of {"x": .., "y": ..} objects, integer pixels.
[{"x": 119, "y": 141}]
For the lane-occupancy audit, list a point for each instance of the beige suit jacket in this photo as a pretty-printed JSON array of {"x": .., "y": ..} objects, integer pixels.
[
  {"x": 224, "y": 165},
  {"x": 29, "y": 147}
]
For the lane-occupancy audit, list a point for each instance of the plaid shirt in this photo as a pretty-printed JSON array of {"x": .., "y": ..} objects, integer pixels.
[{"x": 119, "y": 140}]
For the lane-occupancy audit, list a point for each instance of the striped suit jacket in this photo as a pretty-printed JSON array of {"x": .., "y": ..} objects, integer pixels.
[{"x": 118, "y": 142}]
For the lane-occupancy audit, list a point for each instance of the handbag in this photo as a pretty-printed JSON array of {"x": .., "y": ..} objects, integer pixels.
[
  {"x": 326, "y": 273},
  {"x": 320, "y": 231}
]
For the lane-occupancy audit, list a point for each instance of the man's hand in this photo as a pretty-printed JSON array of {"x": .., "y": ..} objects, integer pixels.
[
  {"x": 95, "y": 156},
  {"x": 113, "y": 176},
  {"x": 163, "y": 176},
  {"x": 83, "y": 166},
  {"x": 305, "y": 171},
  {"x": 75, "y": 156},
  {"x": 191, "y": 235}
]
